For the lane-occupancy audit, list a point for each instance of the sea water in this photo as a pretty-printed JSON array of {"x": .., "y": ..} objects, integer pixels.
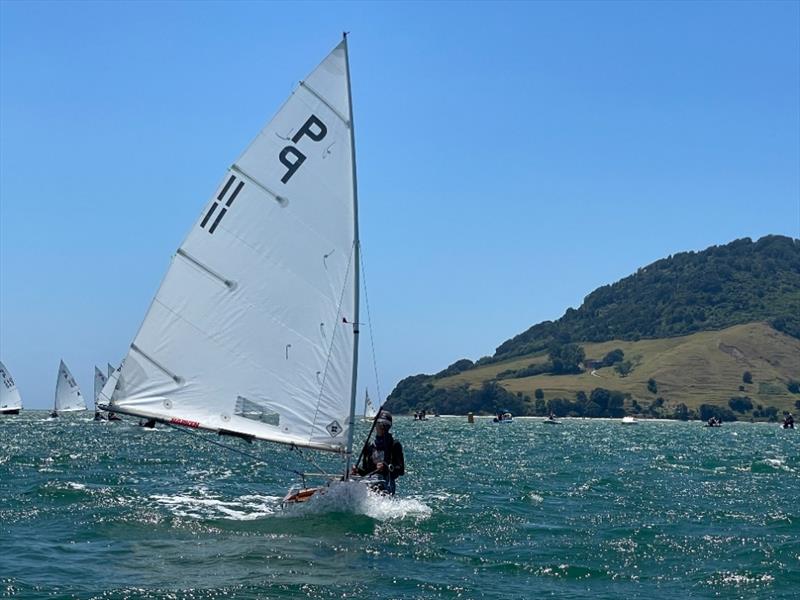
[{"x": 584, "y": 509}]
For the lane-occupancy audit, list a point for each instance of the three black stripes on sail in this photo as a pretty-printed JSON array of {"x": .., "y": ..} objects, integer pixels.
[{"x": 222, "y": 197}]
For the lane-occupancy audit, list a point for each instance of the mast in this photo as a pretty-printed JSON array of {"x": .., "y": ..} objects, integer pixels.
[{"x": 357, "y": 257}]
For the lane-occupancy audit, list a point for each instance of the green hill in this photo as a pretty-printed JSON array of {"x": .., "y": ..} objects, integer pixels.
[{"x": 687, "y": 330}]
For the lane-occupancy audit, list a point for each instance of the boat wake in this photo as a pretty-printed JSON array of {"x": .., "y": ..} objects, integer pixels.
[
  {"x": 206, "y": 505},
  {"x": 356, "y": 498},
  {"x": 341, "y": 497}
]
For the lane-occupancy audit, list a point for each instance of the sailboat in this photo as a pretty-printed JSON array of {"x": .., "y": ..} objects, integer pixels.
[
  {"x": 68, "y": 394},
  {"x": 254, "y": 330},
  {"x": 10, "y": 400},
  {"x": 369, "y": 408},
  {"x": 99, "y": 381},
  {"x": 108, "y": 415}
]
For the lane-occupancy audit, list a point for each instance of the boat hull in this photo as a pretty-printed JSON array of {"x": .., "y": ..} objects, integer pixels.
[{"x": 9, "y": 411}]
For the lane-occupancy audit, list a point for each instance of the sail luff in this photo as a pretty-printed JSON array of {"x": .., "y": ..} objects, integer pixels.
[{"x": 357, "y": 259}]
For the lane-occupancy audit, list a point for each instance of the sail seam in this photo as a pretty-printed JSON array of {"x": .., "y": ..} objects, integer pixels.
[
  {"x": 277, "y": 197},
  {"x": 319, "y": 97},
  {"x": 157, "y": 364},
  {"x": 227, "y": 282}
]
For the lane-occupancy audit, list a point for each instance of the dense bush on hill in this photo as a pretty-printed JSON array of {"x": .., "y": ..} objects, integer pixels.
[
  {"x": 740, "y": 282},
  {"x": 720, "y": 412},
  {"x": 740, "y": 404}
]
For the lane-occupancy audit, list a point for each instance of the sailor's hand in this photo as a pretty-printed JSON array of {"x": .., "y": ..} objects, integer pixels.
[{"x": 353, "y": 470}]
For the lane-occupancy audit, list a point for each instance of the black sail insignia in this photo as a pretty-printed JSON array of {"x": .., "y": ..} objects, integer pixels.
[{"x": 223, "y": 201}]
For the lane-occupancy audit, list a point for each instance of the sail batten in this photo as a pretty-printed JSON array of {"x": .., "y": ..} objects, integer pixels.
[{"x": 251, "y": 330}]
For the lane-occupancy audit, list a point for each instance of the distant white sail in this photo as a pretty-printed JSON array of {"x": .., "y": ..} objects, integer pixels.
[
  {"x": 10, "y": 399},
  {"x": 99, "y": 381},
  {"x": 369, "y": 408},
  {"x": 251, "y": 331},
  {"x": 68, "y": 395}
]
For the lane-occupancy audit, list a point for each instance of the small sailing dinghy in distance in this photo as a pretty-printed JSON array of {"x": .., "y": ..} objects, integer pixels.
[
  {"x": 253, "y": 332},
  {"x": 99, "y": 381},
  {"x": 369, "y": 408},
  {"x": 10, "y": 400},
  {"x": 68, "y": 394}
]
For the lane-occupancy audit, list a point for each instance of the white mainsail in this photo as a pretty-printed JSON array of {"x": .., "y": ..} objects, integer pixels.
[
  {"x": 369, "y": 408},
  {"x": 254, "y": 328},
  {"x": 68, "y": 395},
  {"x": 99, "y": 381},
  {"x": 109, "y": 370},
  {"x": 10, "y": 400}
]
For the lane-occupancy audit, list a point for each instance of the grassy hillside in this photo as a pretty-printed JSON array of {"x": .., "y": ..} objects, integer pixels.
[
  {"x": 673, "y": 339},
  {"x": 705, "y": 367}
]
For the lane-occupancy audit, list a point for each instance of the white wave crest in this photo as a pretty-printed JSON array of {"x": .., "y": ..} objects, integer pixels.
[{"x": 355, "y": 497}]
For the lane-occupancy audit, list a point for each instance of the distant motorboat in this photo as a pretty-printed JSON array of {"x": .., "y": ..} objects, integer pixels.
[
  {"x": 506, "y": 417},
  {"x": 628, "y": 420}
]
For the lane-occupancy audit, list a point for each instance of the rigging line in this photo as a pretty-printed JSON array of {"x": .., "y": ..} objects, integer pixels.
[
  {"x": 309, "y": 460},
  {"x": 333, "y": 336},
  {"x": 253, "y": 457},
  {"x": 369, "y": 324}
]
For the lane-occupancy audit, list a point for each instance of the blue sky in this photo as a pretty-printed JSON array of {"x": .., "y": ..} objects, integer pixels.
[{"x": 512, "y": 156}]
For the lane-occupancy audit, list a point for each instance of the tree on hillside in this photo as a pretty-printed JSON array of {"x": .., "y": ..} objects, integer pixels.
[
  {"x": 612, "y": 358},
  {"x": 747, "y": 377},
  {"x": 538, "y": 394},
  {"x": 566, "y": 358},
  {"x": 624, "y": 368},
  {"x": 652, "y": 386},
  {"x": 720, "y": 412},
  {"x": 740, "y": 404}
]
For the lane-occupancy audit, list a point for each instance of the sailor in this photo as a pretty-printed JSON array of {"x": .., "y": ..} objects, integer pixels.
[
  {"x": 788, "y": 422},
  {"x": 384, "y": 455},
  {"x": 149, "y": 423}
]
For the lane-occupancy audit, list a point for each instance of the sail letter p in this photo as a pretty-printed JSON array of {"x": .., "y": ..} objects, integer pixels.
[
  {"x": 314, "y": 129},
  {"x": 306, "y": 130},
  {"x": 299, "y": 158}
]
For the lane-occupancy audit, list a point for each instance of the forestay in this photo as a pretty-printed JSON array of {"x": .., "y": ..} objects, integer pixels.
[
  {"x": 9, "y": 394},
  {"x": 68, "y": 395},
  {"x": 251, "y": 331}
]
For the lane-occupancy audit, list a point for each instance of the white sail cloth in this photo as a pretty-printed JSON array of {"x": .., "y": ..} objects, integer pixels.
[
  {"x": 9, "y": 394},
  {"x": 251, "y": 331},
  {"x": 369, "y": 408},
  {"x": 100, "y": 379},
  {"x": 68, "y": 395}
]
